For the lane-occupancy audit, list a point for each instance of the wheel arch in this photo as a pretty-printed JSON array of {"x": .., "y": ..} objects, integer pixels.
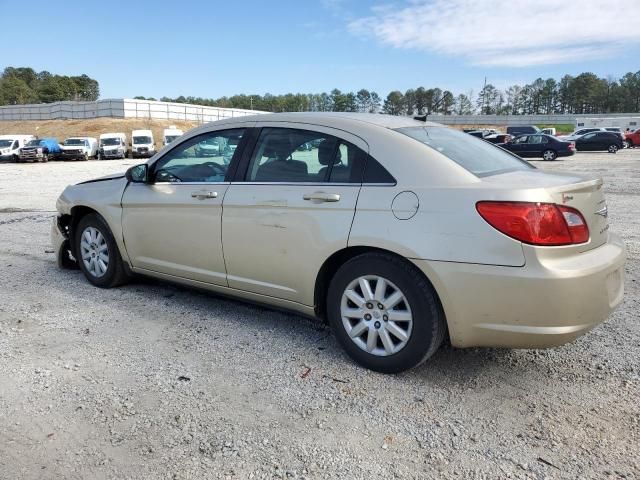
[{"x": 338, "y": 258}]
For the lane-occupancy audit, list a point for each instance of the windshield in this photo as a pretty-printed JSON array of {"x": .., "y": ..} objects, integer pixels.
[
  {"x": 33, "y": 143},
  {"x": 170, "y": 138},
  {"x": 74, "y": 141},
  {"x": 475, "y": 155},
  {"x": 141, "y": 140},
  {"x": 5, "y": 143},
  {"x": 109, "y": 141}
]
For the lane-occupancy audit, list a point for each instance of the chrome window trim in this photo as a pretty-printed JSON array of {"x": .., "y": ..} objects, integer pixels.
[
  {"x": 182, "y": 183},
  {"x": 310, "y": 184}
]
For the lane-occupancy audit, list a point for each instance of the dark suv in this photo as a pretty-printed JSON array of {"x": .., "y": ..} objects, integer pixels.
[{"x": 522, "y": 130}]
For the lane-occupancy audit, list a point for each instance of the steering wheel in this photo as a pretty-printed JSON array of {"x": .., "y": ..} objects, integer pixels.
[{"x": 168, "y": 176}]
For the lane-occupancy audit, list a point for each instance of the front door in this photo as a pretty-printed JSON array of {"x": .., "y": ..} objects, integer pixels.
[
  {"x": 293, "y": 209},
  {"x": 587, "y": 142},
  {"x": 172, "y": 225}
]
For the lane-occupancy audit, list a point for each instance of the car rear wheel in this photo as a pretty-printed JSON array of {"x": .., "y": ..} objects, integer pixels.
[
  {"x": 385, "y": 313},
  {"x": 549, "y": 155},
  {"x": 97, "y": 253},
  {"x": 612, "y": 148}
]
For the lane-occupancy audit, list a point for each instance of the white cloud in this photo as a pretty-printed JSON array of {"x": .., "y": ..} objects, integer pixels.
[{"x": 516, "y": 33}]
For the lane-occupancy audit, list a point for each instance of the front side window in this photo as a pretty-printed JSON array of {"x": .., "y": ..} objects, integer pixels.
[
  {"x": 204, "y": 158},
  {"x": 301, "y": 156},
  {"x": 475, "y": 155},
  {"x": 588, "y": 136}
]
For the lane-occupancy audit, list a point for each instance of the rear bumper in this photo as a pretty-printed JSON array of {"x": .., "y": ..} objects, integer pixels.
[{"x": 543, "y": 304}]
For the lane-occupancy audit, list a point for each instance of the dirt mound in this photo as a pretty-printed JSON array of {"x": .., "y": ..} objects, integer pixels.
[{"x": 62, "y": 129}]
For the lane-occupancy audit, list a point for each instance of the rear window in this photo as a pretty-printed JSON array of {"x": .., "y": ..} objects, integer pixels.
[{"x": 475, "y": 155}]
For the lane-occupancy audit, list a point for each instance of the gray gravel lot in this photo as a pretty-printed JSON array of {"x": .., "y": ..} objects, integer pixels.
[{"x": 156, "y": 381}]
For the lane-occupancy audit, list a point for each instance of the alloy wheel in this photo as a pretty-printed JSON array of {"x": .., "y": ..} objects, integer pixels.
[
  {"x": 376, "y": 315},
  {"x": 613, "y": 148},
  {"x": 94, "y": 252}
]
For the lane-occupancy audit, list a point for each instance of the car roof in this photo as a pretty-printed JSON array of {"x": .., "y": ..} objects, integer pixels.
[{"x": 327, "y": 118}]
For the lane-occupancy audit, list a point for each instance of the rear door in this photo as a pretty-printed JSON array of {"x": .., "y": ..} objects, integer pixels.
[
  {"x": 291, "y": 208},
  {"x": 519, "y": 145},
  {"x": 172, "y": 225}
]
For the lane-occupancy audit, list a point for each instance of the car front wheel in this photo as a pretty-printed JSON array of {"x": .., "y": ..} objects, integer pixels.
[
  {"x": 549, "y": 155},
  {"x": 97, "y": 253},
  {"x": 385, "y": 313},
  {"x": 628, "y": 144},
  {"x": 612, "y": 148}
]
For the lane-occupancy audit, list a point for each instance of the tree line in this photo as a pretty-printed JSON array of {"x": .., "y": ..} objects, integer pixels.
[
  {"x": 21, "y": 85},
  {"x": 582, "y": 94},
  {"x": 585, "y": 93}
]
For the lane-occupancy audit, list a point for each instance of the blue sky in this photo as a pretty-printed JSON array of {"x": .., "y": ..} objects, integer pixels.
[{"x": 214, "y": 48}]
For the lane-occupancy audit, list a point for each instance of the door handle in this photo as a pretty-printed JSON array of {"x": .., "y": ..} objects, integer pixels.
[
  {"x": 201, "y": 195},
  {"x": 322, "y": 197}
]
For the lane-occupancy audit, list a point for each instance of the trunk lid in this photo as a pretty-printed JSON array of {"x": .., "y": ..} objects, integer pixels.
[
  {"x": 588, "y": 198},
  {"x": 582, "y": 193}
]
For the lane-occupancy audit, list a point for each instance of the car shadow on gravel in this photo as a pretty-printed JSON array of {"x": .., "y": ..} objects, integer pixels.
[{"x": 311, "y": 338}]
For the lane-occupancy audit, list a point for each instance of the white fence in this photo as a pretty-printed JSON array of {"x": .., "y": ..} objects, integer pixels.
[
  {"x": 120, "y": 108},
  {"x": 519, "y": 119}
]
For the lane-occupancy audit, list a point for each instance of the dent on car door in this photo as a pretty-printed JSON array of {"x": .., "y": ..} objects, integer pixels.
[
  {"x": 292, "y": 209},
  {"x": 171, "y": 225}
]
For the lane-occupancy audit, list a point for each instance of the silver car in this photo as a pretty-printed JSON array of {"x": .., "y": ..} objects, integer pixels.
[{"x": 399, "y": 233}]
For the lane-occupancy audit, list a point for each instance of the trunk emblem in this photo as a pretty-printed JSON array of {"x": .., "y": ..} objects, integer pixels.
[
  {"x": 566, "y": 198},
  {"x": 603, "y": 212}
]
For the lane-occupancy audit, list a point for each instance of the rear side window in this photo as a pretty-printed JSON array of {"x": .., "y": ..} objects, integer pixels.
[
  {"x": 376, "y": 173},
  {"x": 475, "y": 155},
  {"x": 287, "y": 155}
]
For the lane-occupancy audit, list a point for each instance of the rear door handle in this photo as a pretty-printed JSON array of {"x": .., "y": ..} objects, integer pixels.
[
  {"x": 322, "y": 197},
  {"x": 203, "y": 194}
]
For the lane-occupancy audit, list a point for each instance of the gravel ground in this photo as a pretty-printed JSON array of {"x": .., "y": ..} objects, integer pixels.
[{"x": 155, "y": 381}]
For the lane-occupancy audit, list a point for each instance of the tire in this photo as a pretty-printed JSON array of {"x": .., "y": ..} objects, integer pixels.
[
  {"x": 15, "y": 158},
  {"x": 115, "y": 273},
  {"x": 424, "y": 330},
  {"x": 628, "y": 144},
  {"x": 85, "y": 157},
  {"x": 612, "y": 148},
  {"x": 549, "y": 155},
  {"x": 45, "y": 158}
]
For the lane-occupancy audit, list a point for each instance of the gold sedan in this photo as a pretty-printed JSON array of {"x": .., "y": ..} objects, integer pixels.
[{"x": 398, "y": 232}]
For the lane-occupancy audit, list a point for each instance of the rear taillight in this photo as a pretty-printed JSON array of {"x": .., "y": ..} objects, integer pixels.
[
  {"x": 572, "y": 146},
  {"x": 545, "y": 224}
]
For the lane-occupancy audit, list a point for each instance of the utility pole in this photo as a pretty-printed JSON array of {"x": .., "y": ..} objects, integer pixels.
[{"x": 484, "y": 95}]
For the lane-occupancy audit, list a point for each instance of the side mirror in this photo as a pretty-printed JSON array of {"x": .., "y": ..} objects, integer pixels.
[{"x": 138, "y": 173}]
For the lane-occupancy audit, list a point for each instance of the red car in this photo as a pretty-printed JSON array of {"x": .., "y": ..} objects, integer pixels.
[{"x": 632, "y": 139}]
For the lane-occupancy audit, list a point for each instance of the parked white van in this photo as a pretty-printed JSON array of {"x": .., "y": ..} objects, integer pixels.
[
  {"x": 170, "y": 134},
  {"x": 79, "y": 148},
  {"x": 142, "y": 144},
  {"x": 112, "y": 145},
  {"x": 10, "y": 146}
]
